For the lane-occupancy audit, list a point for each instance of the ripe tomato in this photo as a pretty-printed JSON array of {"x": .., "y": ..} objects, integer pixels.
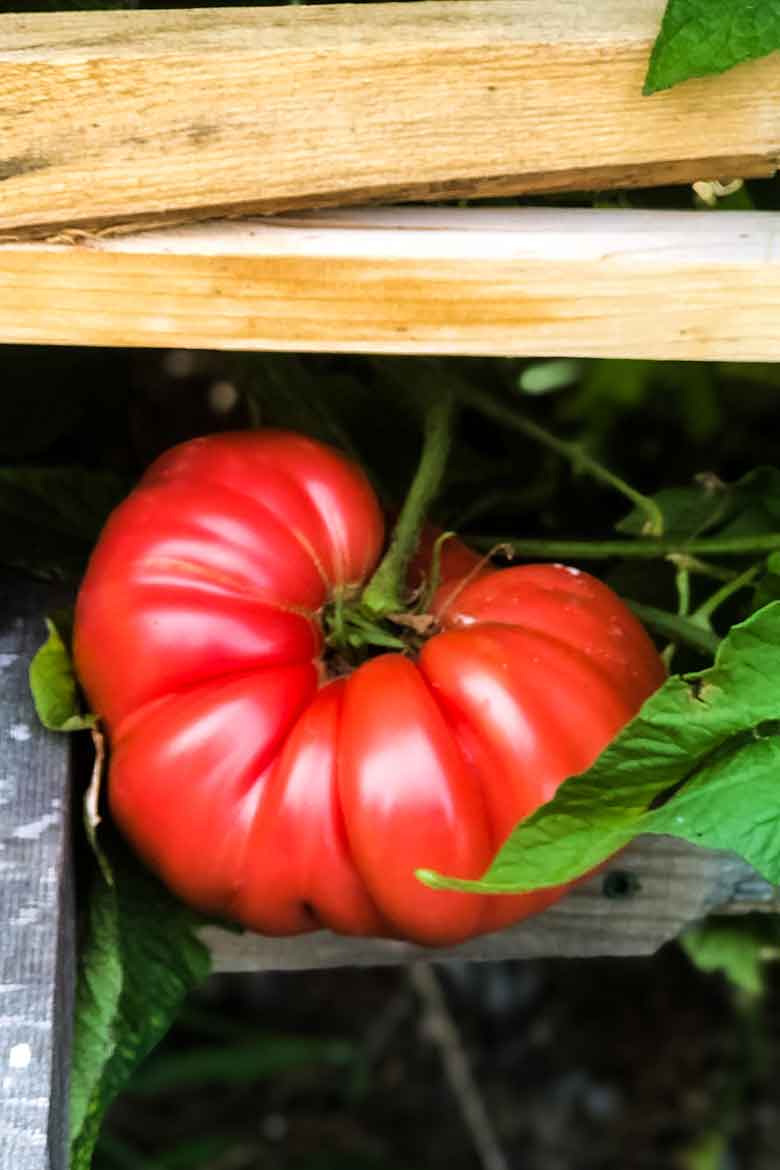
[{"x": 265, "y": 791}]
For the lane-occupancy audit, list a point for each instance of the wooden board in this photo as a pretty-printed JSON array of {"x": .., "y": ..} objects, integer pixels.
[
  {"x": 515, "y": 281},
  {"x": 36, "y": 912},
  {"x": 647, "y": 896},
  {"x": 106, "y": 116}
]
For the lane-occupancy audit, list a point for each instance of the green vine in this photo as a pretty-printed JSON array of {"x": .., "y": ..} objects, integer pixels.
[{"x": 386, "y": 591}]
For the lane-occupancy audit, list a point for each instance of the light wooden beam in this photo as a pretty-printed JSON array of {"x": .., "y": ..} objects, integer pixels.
[
  {"x": 110, "y": 116},
  {"x": 683, "y": 285}
]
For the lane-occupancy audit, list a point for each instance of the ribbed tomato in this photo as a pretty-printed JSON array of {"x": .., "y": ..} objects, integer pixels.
[{"x": 263, "y": 790}]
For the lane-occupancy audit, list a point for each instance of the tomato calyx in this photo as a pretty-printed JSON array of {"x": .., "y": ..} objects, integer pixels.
[{"x": 353, "y": 634}]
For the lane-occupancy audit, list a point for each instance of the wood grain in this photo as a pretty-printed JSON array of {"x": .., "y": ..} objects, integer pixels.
[
  {"x": 36, "y": 910},
  {"x": 670, "y": 886},
  {"x": 514, "y": 281},
  {"x": 107, "y": 116}
]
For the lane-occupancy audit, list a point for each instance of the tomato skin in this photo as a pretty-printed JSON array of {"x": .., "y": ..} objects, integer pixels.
[
  {"x": 410, "y": 800},
  {"x": 186, "y": 778},
  {"x": 197, "y": 573},
  {"x": 263, "y": 792},
  {"x": 299, "y": 872}
]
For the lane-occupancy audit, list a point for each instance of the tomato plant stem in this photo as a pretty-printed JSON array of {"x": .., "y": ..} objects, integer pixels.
[
  {"x": 572, "y": 452},
  {"x": 708, "y": 607},
  {"x": 683, "y": 628},
  {"x": 385, "y": 591},
  {"x": 680, "y": 629},
  {"x": 595, "y": 550},
  {"x": 701, "y": 568}
]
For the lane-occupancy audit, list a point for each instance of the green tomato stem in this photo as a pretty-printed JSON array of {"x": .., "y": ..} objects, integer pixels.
[
  {"x": 434, "y": 578},
  {"x": 679, "y": 629},
  {"x": 702, "y": 568},
  {"x": 705, "y": 611},
  {"x": 682, "y": 579},
  {"x": 572, "y": 452},
  {"x": 596, "y": 550},
  {"x": 385, "y": 592}
]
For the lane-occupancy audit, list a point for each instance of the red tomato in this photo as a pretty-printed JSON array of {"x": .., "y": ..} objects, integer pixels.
[{"x": 263, "y": 791}]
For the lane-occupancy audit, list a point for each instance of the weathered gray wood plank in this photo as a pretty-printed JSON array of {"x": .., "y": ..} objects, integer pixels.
[
  {"x": 668, "y": 886},
  {"x": 36, "y": 906}
]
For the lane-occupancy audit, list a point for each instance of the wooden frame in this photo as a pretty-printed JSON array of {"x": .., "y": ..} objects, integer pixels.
[
  {"x": 37, "y": 920},
  {"x": 137, "y": 119},
  {"x": 644, "y": 898},
  {"x": 515, "y": 281},
  {"x": 159, "y": 114},
  {"x": 144, "y": 117}
]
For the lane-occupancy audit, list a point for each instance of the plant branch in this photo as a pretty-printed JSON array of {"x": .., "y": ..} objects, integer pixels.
[
  {"x": 444, "y": 1033},
  {"x": 572, "y": 452},
  {"x": 702, "y": 568},
  {"x": 679, "y": 629},
  {"x": 597, "y": 550},
  {"x": 708, "y": 607},
  {"x": 385, "y": 591}
]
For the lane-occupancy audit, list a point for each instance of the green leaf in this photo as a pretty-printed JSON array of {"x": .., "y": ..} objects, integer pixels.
[
  {"x": 749, "y": 507},
  {"x": 712, "y": 739},
  {"x": 255, "y": 1058},
  {"x": 192, "y": 1153},
  {"x": 768, "y": 586},
  {"x": 699, "y": 37},
  {"x": 688, "y": 511},
  {"x": 709, "y": 1151},
  {"x": 98, "y": 994},
  {"x": 50, "y": 517},
  {"x": 735, "y": 947},
  {"x": 141, "y": 959},
  {"x": 54, "y": 688},
  {"x": 548, "y": 376}
]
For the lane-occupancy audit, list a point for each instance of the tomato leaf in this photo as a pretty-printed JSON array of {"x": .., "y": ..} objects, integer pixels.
[
  {"x": 699, "y": 37},
  {"x": 54, "y": 688},
  {"x": 262, "y": 1056},
  {"x": 736, "y": 948},
  {"x": 700, "y": 743},
  {"x": 141, "y": 959},
  {"x": 749, "y": 507}
]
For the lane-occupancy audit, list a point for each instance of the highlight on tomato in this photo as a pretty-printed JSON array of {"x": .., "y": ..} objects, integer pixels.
[{"x": 288, "y": 745}]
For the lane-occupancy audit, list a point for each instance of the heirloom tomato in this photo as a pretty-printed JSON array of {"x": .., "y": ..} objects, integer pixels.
[{"x": 269, "y": 783}]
